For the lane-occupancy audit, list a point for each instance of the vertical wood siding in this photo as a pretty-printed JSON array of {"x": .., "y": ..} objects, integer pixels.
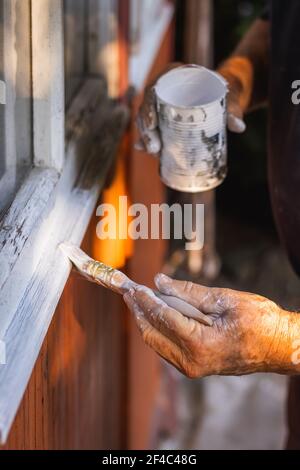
[{"x": 74, "y": 398}]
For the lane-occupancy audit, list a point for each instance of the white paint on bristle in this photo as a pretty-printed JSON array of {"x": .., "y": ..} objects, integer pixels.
[{"x": 75, "y": 254}]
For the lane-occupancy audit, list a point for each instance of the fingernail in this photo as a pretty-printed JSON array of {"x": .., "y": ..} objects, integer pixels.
[
  {"x": 236, "y": 124},
  {"x": 153, "y": 147},
  {"x": 161, "y": 278},
  {"x": 152, "y": 120},
  {"x": 139, "y": 146}
]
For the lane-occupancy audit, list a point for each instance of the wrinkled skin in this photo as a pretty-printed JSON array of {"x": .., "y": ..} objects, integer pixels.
[
  {"x": 147, "y": 120},
  {"x": 250, "y": 333}
]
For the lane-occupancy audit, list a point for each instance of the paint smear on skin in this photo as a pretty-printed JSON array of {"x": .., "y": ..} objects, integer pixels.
[
  {"x": 161, "y": 280},
  {"x": 163, "y": 305}
]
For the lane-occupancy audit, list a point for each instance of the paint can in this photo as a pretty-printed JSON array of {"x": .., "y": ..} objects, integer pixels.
[{"x": 191, "y": 105}]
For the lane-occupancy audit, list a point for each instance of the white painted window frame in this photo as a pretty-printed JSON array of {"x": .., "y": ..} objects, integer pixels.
[
  {"x": 54, "y": 203},
  {"x": 14, "y": 170},
  {"x": 146, "y": 46}
]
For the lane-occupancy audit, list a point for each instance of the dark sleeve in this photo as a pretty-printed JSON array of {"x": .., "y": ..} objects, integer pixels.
[{"x": 266, "y": 11}]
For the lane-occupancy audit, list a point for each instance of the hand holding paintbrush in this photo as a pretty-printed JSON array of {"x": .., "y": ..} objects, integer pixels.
[{"x": 117, "y": 281}]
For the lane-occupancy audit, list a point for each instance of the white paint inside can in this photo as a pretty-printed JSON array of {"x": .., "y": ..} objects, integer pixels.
[{"x": 190, "y": 86}]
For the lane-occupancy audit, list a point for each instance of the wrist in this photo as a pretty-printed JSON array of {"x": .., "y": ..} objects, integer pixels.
[
  {"x": 284, "y": 353},
  {"x": 238, "y": 72}
]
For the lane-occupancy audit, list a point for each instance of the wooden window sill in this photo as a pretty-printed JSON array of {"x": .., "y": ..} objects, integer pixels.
[{"x": 50, "y": 207}]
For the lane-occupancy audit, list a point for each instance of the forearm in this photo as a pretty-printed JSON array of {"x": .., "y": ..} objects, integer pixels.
[{"x": 246, "y": 70}]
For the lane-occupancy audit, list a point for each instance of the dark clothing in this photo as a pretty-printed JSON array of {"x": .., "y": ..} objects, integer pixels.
[
  {"x": 284, "y": 134},
  {"x": 284, "y": 153},
  {"x": 293, "y": 410}
]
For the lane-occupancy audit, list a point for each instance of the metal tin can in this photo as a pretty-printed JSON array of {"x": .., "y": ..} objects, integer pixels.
[{"x": 191, "y": 105}]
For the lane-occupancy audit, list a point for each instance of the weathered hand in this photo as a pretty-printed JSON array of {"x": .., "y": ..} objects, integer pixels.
[{"x": 249, "y": 334}]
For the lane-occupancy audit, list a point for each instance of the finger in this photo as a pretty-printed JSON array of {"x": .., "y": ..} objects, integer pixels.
[
  {"x": 150, "y": 138},
  {"x": 185, "y": 309},
  {"x": 235, "y": 124},
  {"x": 235, "y": 121},
  {"x": 139, "y": 146},
  {"x": 207, "y": 299},
  {"x": 148, "y": 110},
  {"x": 235, "y": 113},
  {"x": 136, "y": 310},
  {"x": 153, "y": 338},
  {"x": 164, "y": 318}
]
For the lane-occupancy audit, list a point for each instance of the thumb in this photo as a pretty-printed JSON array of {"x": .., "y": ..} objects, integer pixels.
[
  {"x": 206, "y": 299},
  {"x": 235, "y": 117},
  {"x": 235, "y": 124}
]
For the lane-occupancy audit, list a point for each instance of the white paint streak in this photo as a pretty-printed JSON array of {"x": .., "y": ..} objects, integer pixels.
[
  {"x": 2, "y": 92},
  {"x": 48, "y": 83}
]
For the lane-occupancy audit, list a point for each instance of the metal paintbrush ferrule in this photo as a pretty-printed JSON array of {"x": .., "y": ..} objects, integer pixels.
[
  {"x": 97, "y": 272},
  {"x": 100, "y": 273}
]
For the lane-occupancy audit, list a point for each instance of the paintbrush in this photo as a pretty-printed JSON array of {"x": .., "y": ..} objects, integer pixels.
[{"x": 117, "y": 281}]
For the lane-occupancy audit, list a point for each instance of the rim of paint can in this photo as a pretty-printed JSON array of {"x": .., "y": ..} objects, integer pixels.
[{"x": 162, "y": 86}]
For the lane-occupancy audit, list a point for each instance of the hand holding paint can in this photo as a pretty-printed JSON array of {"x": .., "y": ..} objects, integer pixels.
[{"x": 192, "y": 115}]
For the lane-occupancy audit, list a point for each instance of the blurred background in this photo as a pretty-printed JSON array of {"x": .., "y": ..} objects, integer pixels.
[
  {"x": 95, "y": 384},
  {"x": 242, "y": 252},
  {"x": 162, "y": 408}
]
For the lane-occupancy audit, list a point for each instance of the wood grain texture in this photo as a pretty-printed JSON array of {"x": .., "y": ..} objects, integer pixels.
[
  {"x": 18, "y": 226},
  {"x": 20, "y": 220},
  {"x": 74, "y": 397}
]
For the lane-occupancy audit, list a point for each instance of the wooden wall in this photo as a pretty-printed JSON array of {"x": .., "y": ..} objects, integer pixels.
[
  {"x": 94, "y": 385},
  {"x": 75, "y": 398}
]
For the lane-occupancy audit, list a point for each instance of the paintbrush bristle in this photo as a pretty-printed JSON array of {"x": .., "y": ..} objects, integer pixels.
[{"x": 76, "y": 255}]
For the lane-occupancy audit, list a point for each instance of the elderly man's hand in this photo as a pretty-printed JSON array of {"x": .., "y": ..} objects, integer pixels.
[{"x": 249, "y": 334}]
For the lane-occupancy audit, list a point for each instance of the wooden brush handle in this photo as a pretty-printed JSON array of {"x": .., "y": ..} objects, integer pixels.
[{"x": 185, "y": 309}]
